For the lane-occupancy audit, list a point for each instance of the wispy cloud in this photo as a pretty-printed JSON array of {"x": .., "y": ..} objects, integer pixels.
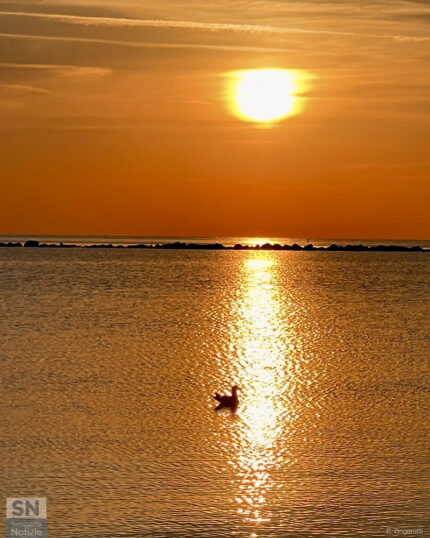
[
  {"x": 23, "y": 89},
  {"x": 205, "y": 26},
  {"x": 63, "y": 69},
  {"x": 146, "y": 44}
]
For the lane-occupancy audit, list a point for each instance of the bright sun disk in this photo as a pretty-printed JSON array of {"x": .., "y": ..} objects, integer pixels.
[{"x": 264, "y": 95}]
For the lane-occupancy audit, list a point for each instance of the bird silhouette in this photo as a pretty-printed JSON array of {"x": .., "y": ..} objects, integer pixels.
[{"x": 227, "y": 401}]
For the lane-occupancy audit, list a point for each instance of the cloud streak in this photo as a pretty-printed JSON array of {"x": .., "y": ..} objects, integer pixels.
[
  {"x": 204, "y": 26},
  {"x": 64, "y": 68},
  {"x": 146, "y": 44},
  {"x": 23, "y": 88}
]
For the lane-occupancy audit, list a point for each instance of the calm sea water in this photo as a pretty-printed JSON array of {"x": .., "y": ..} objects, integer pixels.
[{"x": 109, "y": 360}]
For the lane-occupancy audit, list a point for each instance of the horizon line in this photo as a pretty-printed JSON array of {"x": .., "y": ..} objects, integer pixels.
[
  {"x": 261, "y": 237},
  {"x": 178, "y": 245}
]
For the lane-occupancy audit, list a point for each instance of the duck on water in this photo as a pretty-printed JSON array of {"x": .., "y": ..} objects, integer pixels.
[{"x": 227, "y": 401}]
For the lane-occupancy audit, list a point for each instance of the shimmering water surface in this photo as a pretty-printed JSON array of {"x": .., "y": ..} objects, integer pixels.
[{"x": 108, "y": 363}]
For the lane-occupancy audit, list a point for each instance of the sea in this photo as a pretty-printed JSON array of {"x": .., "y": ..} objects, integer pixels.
[{"x": 109, "y": 360}]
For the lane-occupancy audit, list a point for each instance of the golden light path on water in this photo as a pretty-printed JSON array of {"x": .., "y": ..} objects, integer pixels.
[{"x": 267, "y": 408}]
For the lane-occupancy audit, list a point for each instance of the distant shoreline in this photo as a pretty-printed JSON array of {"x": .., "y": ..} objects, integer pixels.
[{"x": 178, "y": 245}]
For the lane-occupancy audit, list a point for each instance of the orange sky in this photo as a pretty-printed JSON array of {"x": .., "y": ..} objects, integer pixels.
[{"x": 115, "y": 119}]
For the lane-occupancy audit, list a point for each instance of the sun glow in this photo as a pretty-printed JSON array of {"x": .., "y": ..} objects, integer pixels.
[{"x": 265, "y": 95}]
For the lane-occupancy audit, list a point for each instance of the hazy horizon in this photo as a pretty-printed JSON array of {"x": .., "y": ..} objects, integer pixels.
[{"x": 225, "y": 240}]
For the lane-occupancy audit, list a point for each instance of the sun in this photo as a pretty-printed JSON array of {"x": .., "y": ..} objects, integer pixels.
[{"x": 264, "y": 95}]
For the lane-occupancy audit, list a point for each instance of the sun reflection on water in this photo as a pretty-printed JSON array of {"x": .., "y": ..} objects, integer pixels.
[{"x": 261, "y": 342}]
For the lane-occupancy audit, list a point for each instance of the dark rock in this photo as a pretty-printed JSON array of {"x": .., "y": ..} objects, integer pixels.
[{"x": 31, "y": 243}]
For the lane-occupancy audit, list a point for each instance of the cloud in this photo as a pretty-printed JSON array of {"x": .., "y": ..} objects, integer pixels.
[
  {"x": 22, "y": 88},
  {"x": 194, "y": 25},
  {"x": 68, "y": 70},
  {"x": 146, "y": 44}
]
